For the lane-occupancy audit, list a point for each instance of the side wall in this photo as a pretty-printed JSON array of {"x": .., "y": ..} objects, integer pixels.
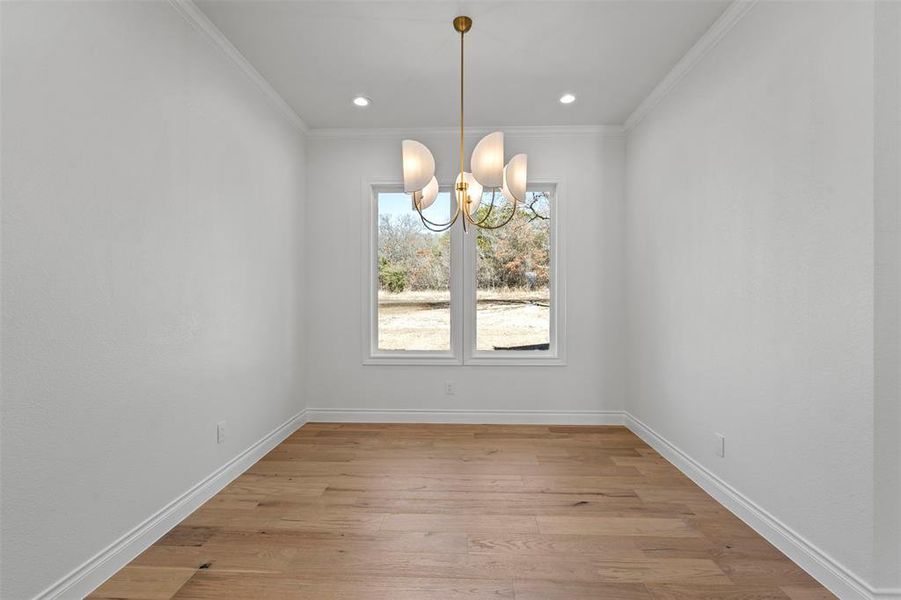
[
  {"x": 151, "y": 273},
  {"x": 590, "y": 167},
  {"x": 751, "y": 273},
  {"x": 888, "y": 297}
]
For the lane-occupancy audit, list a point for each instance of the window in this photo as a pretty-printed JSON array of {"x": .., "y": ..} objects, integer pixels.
[
  {"x": 512, "y": 278},
  {"x": 484, "y": 297},
  {"x": 413, "y": 276}
]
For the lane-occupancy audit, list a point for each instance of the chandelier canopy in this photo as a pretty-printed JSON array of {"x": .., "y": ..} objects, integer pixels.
[{"x": 488, "y": 172}]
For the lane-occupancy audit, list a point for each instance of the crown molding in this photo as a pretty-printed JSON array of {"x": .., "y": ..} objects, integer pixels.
[
  {"x": 732, "y": 15},
  {"x": 524, "y": 131},
  {"x": 726, "y": 21},
  {"x": 199, "y": 21}
]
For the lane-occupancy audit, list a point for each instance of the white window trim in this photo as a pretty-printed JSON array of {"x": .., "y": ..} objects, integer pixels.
[
  {"x": 370, "y": 286},
  {"x": 463, "y": 290},
  {"x": 556, "y": 355}
]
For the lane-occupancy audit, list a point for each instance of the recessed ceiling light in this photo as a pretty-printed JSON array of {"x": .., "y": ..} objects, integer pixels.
[
  {"x": 567, "y": 99},
  {"x": 362, "y": 101}
]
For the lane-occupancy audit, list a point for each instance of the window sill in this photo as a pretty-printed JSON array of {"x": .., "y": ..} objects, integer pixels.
[
  {"x": 412, "y": 358},
  {"x": 515, "y": 361},
  {"x": 415, "y": 359}
]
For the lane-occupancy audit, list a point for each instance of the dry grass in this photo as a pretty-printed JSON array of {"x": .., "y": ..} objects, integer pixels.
[{"x": 421, "y": 320}]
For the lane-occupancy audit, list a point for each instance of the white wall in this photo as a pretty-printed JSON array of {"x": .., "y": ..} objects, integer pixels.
[
  {"x": 151, "y": 271},
  {"x": 887, "y": 410},
  {"x": 155, "y": 247},
  {"x": 590, "y": 167},
  {"x": 751, "y": 269}
]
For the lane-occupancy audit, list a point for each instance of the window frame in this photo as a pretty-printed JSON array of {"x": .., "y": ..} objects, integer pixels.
[
  {"x": 555, "y": 355},
  {"x": 462, "y": 291},
  {"x": 372, "y": 355}
]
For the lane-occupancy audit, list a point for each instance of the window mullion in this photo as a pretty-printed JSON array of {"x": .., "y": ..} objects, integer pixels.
[
  {"x": 470, "y": 296},
  {"x": 458, "y": 293}
]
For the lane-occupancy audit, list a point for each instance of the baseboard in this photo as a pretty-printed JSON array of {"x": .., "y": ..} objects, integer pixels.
[
  {"x": 86, "y": 578},
  {"x": 838, "y": 579},
  {"x": 494, "y": 417},
  {"x": 822, "y": 567}
]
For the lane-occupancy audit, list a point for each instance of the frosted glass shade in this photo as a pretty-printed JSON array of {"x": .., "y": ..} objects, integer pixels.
[
  {"x": 515, "y": 178},
  {"x": 487, "y": 162},
  {"x": 474, "y": 190},
  {"x": 426, "y": 197},
  {"x": 419, "y": 165}
]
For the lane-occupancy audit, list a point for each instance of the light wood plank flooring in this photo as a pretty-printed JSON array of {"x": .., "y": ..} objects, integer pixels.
[{"x": 423, "y": 512}]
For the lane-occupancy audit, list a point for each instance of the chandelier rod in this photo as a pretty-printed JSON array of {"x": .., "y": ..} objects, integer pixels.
[{"x": 462, "y": 26}]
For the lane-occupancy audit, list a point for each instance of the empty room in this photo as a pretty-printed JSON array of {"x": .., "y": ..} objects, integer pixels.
[{"x": 450, "y": 300}]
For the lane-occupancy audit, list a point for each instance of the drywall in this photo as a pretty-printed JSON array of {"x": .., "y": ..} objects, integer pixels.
[
  {"x": 589, "y": 166},
  {"x": 887, "y": 217},
  {"x": 751, "y": 273},
  {"x": 151, "y": 273}
]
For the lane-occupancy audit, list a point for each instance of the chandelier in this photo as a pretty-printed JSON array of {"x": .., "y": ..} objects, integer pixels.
[{"x": 487, "y": 172}]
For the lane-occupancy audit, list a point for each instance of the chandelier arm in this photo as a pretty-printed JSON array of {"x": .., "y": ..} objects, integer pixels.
[
  {"x": 428, "y": 222},
  {"x": 466, "y": 217},
  {"x": 509, "y": 218},
  {"x": 430, "y": 225},
  {"x": 438, "y": 229},
  {"x": 490, "y": 208}
]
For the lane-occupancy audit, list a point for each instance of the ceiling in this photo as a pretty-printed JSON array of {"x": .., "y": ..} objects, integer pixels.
[{"x": 520, "y": 57}]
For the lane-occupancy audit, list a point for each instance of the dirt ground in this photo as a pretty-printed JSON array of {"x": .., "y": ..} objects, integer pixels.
[{"x": 421, "y": 320}]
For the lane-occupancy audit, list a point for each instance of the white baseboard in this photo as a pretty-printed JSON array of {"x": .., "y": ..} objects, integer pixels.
[
  {"x": 494, "y": 417},
  {"x": 86, "y": 578},
  {"x": 822, "y": 567},
  {"x": 841, "y": 581}
]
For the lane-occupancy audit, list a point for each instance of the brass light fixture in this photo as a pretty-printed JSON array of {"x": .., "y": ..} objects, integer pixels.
[{"x": 488, "y": 172}]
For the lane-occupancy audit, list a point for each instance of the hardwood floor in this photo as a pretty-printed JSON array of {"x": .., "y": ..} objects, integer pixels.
[{"x": 422, "y": 512}]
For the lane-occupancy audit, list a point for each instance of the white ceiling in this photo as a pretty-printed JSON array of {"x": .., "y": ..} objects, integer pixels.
[{"x": 520, "y": 57}]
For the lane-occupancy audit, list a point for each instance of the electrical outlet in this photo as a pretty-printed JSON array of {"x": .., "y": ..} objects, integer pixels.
[
  {"x": 450, "y": 388},
  {"x": 221, "y": 431},
  {"x": 720, "y": 445}
]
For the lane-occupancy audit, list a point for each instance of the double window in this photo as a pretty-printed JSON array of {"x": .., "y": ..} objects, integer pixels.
[{"x": 480, "y": 297}]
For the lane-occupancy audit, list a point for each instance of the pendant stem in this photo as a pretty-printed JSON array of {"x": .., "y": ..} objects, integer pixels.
[{"x": 461, "y": 195}]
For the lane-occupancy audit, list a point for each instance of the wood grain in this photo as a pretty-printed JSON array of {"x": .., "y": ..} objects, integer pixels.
[{"x": 422, "y": 512}]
